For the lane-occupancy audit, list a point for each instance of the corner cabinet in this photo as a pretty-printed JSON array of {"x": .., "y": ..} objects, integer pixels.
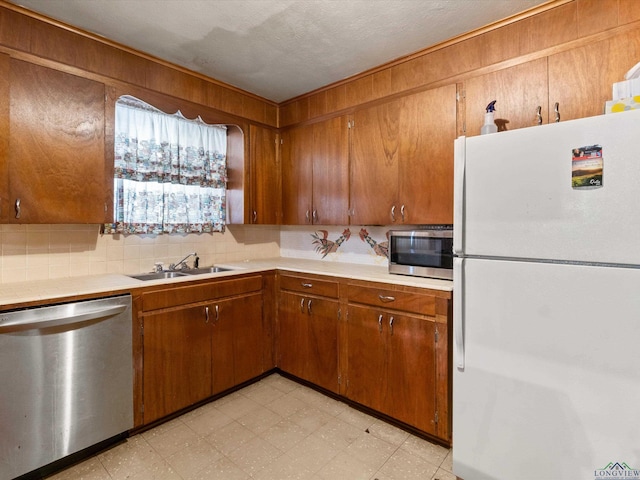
[
  {"x": 402, "y": 160},
  {"x": 266, "y": 204},
  {"x": 55, "y": 154},
  {"x": 315, "y": 173},
  {"x": 308, "y": 317}
]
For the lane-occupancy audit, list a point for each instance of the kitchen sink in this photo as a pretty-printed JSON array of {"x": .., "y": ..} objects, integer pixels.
[
  {"x": 157, "y": 275},
  {"x": 199, "y": 271},
  {"x": 181, "y": 273}
]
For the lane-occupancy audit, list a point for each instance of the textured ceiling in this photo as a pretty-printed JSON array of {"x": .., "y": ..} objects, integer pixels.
[{"x": 279, "y": 49}]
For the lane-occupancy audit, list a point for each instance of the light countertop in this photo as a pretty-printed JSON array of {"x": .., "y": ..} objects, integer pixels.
[{"x": 36, "y": 291}]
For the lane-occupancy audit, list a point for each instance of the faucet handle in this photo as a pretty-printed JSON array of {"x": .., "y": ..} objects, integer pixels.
[{"x": 158, "y": 266}]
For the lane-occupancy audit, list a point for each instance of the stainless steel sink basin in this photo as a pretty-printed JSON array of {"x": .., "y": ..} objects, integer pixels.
[
  {"x": 198, "y": 271},
  {"x": 157, "y": 275}
]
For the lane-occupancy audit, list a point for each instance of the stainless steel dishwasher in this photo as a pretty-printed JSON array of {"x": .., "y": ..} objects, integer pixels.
[{"x": 66, "y": 381}]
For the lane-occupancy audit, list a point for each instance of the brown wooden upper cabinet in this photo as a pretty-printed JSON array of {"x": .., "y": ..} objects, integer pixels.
[
  {"x": 55, "y": 165},
  {"x": 315, "y": 173},
  {"x": 402, "y": 160},
  {"x": 578, "y": 80},
  {"x": 266, "y": 208}
]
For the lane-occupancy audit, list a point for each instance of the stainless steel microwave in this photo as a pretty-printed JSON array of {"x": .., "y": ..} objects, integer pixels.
[{"x": 427, "y": 252}]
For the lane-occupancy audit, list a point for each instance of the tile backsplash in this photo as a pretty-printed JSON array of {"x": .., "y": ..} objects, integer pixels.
[{"x": 40, "y": 252}]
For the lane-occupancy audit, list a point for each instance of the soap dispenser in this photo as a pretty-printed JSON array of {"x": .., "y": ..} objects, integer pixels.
[{"x": 489, "y": 122}]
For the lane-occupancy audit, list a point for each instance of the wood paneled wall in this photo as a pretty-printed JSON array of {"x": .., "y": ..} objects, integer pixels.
[
  {"x": 26, "y": 32},
  {"x": 559, "y": 25}
]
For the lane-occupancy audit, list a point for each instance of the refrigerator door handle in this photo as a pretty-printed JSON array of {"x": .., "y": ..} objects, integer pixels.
[
  {"x": 458, "y": 314},
  {"x": 460, "y": 147}
]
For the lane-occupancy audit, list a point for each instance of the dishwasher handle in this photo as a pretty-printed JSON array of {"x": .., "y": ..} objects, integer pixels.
[{"x": 18, "y": 325}]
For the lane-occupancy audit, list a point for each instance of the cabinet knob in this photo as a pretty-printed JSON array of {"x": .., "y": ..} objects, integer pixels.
[
  {"x": 391, "y": 325},
  {"x": 402, "y": 213},
  {"x": 393, "y": 213},
  {"x": 380, "y": 323},
  {"x": 302, "y": 306},
  {"x": 18, "y": 208},
  {"x": 217, "y": 312},
  {"x": 309, "y": 307},
  {"x": 557, "y": 110},
  {"x": 307, "y": 216},
  {"x": 539, "y": 115},
  {"x": 315, "y": 216},
  {"x": 255, "y": 216},
  {"x": 206, "y": 314}
]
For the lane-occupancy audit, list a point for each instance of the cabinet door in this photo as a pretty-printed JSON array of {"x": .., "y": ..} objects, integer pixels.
[
  {"x": 519, "y": 91},
  {"x": 411, "y": 393},
  {"x": 293, "y": 334},
  {"x": 177, "y": 361},
  {"x": 56, "y": 146},
  {"x": 367, "y": 379},
  {"x": 248, "y": 335},
  {"x": 425, "y": 177},
  {"x": 374, "y": 164},
  {"x": 265, "y": 176},
  {"x": 222, "y": 349},
  {"x": 331, "y": 172},
  {"x": 580, "y": 79},
  {"x": 322, "y": 354},
  {"x": 297, "y": 177}
]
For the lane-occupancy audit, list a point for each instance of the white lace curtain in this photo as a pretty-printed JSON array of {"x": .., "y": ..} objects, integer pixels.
[{"x": 170, "y": 172}]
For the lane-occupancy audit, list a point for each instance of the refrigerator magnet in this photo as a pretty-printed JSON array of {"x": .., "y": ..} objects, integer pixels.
[{"x": 587, "y": 167}]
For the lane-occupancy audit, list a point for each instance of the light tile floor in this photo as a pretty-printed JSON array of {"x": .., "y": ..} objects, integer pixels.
[{"x": 274, "y": 429}]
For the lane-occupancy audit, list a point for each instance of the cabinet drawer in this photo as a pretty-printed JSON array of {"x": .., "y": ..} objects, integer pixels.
[
  {"x": 174, "y": 296},
  {"x": 325, "y": 288},
  {"x": 393, "y": 299}
]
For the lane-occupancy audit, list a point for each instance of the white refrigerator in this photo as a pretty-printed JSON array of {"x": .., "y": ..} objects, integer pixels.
[{"x": 546, "y": 336}]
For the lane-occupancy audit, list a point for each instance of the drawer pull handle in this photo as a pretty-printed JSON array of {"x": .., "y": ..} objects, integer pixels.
[
  {"x": 391, "y": 325},
  {"x": 309, "y": 307},
  {"x": 302, "y": 306},
  {"x": 380, "y": 323},
  {"x": 556, "y": 109},
  {"x": 307, "y": 285},
  {"x": 393, "y": 213},
  {"x": 18, "y": 208},
  {"x": 206, "y": 314},
  {"x": 386, "y": 299},
  {"x": 217, "y": 312},
  {"x": 539, "y": 115}
]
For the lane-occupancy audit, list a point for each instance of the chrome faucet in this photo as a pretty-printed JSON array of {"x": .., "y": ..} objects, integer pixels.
[{"x": 181, "y": 264}]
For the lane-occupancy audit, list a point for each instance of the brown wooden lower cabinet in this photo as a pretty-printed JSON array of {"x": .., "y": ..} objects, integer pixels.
[
  {"x": 387, "y": 344},
  {"x": 383, "y": 346},
  {"x": 391, "y": 365},
  {"x": 308, "y": 330},
  {"x": 201, "y": 348}
]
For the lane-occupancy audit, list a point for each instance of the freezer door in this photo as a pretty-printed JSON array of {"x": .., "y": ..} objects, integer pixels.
[
  {"x": 550, "y": 384},
  {"x": 518, "y": 200}
]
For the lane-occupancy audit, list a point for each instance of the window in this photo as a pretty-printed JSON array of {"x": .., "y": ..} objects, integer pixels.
[{"x": 170, "y": 172}]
